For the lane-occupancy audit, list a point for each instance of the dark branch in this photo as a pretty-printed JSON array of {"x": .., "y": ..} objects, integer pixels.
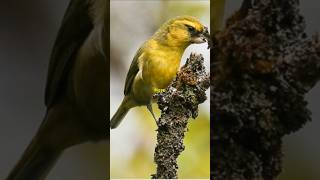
[
  {"x": 263, "y": 66},
  {"x": 177, "y": 104}
]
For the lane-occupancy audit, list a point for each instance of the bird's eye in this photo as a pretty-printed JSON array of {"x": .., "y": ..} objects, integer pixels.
[{"x": 190, "y": 28}]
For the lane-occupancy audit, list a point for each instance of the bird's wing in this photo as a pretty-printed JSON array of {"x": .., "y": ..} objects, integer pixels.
[
  {"x": 75, "y": 28},
  {"x": 133, "y": 70}
]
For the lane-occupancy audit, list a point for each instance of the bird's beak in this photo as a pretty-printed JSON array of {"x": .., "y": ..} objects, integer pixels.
[
  {"x": 207, "y": 36},
  {"x": 202, "y": 37},
  {"x": 198, "y": 39}
]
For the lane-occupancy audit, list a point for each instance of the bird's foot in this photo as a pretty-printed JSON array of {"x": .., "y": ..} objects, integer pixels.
[{"x": 158, "y": 91}]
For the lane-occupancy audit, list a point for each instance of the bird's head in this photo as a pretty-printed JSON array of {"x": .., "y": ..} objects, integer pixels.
[{"x": 182, "y": 31}]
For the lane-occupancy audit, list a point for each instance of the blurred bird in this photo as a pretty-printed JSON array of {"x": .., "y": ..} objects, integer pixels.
[
  {"x": 157, "y": 61},
  {"x": 77, "y": 90}
]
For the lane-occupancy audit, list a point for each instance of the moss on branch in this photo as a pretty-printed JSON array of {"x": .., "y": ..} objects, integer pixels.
[{"x": 178, "y": 104}]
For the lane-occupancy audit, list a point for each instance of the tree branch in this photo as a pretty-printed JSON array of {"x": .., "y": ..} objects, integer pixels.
[
  {"x": 177, "y": 104},
  {"x": 263, "y": 66}
]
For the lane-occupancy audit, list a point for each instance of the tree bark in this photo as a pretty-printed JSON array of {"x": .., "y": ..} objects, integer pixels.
[
  {"x": 262, "y": 68},
  {"x": 177, "y": 104}
]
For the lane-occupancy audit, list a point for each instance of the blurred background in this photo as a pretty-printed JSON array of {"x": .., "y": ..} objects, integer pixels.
[
  {"x": 27, "y": 33},
  {"x": 301, "y": 150},
  {"x": 132, "y": 143}
]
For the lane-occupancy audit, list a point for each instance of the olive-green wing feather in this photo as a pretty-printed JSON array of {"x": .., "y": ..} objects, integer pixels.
[
  {"x": 75, "y": 28},
  {"x": 133, "y": 70}
]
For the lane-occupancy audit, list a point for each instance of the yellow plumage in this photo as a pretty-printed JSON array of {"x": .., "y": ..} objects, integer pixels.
[
  {"x": 160, "y": 64},
  {"x": 157, "y": 62}
]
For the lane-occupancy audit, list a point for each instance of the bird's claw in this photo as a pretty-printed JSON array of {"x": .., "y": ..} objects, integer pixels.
[{"x": 158, "y": 91}]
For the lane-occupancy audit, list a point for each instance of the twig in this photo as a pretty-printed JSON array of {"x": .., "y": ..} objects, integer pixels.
[{"x": 177, "y": 104}]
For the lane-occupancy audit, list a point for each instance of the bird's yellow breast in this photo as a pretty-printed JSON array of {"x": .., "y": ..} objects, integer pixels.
[{"x": 160, "y": 64}]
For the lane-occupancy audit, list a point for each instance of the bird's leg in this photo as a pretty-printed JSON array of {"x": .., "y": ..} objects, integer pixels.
[{"x": 149, "y": 107}]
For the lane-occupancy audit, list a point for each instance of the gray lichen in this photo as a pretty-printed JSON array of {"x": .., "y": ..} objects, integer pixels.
[
  {"x": 263, "y": 65},
  {"x": 178, "y": 104}
]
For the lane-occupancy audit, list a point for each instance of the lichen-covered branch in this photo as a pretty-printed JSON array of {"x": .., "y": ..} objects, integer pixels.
[
  {"x": 263, "y": 66},
  {"x": 177, "y": 104}
]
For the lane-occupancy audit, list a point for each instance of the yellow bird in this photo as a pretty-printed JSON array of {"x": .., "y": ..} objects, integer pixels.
[{"x": 157, "y": 61}]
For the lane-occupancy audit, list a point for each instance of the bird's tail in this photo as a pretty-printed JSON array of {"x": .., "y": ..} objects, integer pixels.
[
  {"x": 36, "y": 161},
  {"x": 121, "y": 113}
]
